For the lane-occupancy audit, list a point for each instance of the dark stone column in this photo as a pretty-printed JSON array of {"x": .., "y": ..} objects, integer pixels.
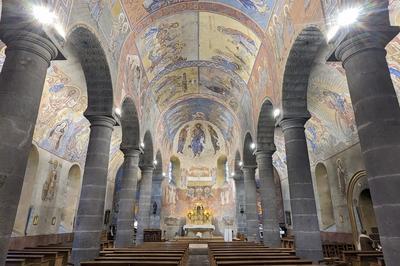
[
  {"x": 144, "y": 202},
  {"x": 251, "y": 202},
  {"x": 377, "y": 116},
  {"x": 89, "y": 219},
  {"x": 155, "y": 218},
  {"x": 127, "y": 197},
  {"x": 271, "y": 236},
  {"x": 302, "y": 200},
  {"x": 28, "y": 56},
  {"x": 240, "y": 204}
]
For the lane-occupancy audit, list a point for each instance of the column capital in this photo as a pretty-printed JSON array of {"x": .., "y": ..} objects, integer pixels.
[
  {"x": 293, "y": 122},
  {"x": 130, "y": 151},
  {"x": 30, "y": 42},
  {"x": 249, "y": 167},
  {"x": 147, "y": 168},
  {"x": 358, "y": 40},
  {"x": 101, "y": 121},
  {"x": 267, "y": 149}
]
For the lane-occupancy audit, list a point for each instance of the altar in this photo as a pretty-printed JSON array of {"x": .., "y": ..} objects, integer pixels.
[{"x": 198, "y": 222}]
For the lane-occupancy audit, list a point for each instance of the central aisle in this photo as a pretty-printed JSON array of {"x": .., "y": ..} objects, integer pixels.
[{"x": 198, "y": 255}]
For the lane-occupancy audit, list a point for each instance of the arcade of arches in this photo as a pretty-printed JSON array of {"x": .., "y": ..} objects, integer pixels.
[{"x": 224, "y": 115}]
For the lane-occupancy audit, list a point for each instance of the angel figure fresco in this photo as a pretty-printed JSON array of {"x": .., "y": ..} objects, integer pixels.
[
  {"x": 182, "y": 139},
  {"x": 198, "y": 140},
  {"x": 214, "y": 139}
]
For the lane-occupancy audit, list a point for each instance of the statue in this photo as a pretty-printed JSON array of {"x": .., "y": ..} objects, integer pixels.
[
  {"x": 198, "y": 215},
  {"x": 154, "y": 208}
]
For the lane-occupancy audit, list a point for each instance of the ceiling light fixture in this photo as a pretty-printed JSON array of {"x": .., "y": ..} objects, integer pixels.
[
  {"x": 43, "y": 15},
  {"x": 240, "y": 163},
  {"x": 155, "y": 162},
  {"x": 142, "y": 145},
  {"x": 252, "y": 146}
]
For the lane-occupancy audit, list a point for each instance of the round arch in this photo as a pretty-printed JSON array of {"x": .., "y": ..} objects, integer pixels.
[
  {"x": 248, "y": 151},
  {"x": 147, "y": 158},
  {"x": 266, "y": 126},
  {"x": 130, "y": 124},
  {"x": 84, "y": 43},
  {"x": 303, "y": 53}
]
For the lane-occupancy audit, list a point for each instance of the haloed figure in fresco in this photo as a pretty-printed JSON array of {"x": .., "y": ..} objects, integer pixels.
[
  {"x": 182, "y": 139},
  {"x": 198, "y": 140},
  {"x": 214, "y": 139}
]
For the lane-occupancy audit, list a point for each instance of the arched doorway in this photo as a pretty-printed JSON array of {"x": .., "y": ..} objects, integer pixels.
[
  {"x": 361, "y": 210},
  {"x": 24, "y": 206},
  {"x": 324, "y": 194},
  {"x": 72, "y": 196}
]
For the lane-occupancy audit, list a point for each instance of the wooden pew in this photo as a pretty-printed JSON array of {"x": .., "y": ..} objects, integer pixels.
[
  {"x": 39, "y": 260},
  {"x": 15, "y": 262},
  {"x": 362, "y": 258},
  {"x": 55, "y": 259},
  {"x": 65, "y": 252},
  {"x": 150, "y": 253},
  {"x": 252, "y": 254}
]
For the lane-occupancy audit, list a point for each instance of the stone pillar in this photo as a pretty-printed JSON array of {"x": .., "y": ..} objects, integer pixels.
[
  {"x": 28, "y": 56},
  {"x": 377, "y": 115},
  {"x": 302, "y": 201},
  {"x": 89, "y": 218},
  {"x": 155, "y": 218},
  {"x": 127, "y": 197},
  {"x": 240, "y": 204},
  {"x": 271, "y": 236},
  {"x": 251, "y": 203},
  {"x": 144, "y": 202}
]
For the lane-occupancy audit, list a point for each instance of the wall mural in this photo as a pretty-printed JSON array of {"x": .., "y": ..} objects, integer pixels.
[{"x": 115, "y": 32}]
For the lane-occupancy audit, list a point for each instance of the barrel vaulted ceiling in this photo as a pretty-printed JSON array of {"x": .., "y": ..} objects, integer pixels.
[{"x": 198, "y": 58}]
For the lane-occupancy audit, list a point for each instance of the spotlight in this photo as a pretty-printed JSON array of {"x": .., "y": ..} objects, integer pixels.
[
  {"x": 276, "y": 112},
  {"x": 43, "y": 15},
  {"x": 233, "y": 174},
  {"x": 332, "y": 33},
  {"x": 142, "y": 145},
  {"x": 164, "y": 174},
  {"x": 348, "y": 16},
  {"x": 155, "y": 162},
  {"x": 252, "y": 146},
  {"x": 118, "y": 111},
  {"x": 240, "y": 163}
]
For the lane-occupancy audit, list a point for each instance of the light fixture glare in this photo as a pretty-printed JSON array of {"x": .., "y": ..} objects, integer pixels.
[
  {"x": 155, "y": 162},
  {"x": 348, "y": 16},
  {"x": 252, "y": 146},
  {"x": 276, "y": 112},
  {"x": 43, "y": 15},
  {"x": 240, "y": 163},
  {"x": 118, "y": 111},
  {"x": 142, "y": 145}
]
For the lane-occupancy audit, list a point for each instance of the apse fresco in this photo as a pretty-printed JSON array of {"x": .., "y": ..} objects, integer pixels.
[
  {"x": 115, "y": 32},
  {"x": 199, "y": 109},
  {"x": 227, "y": 42},
  {"x": 168, "y": 41},
  {"x": 200, "y": 148}
]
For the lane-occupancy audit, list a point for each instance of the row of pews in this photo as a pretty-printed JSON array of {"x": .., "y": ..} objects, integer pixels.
[
  {"x": 249, "y": 253},
  {"x": 52, "y": 255},
  {"x": 151, "y": 253}
]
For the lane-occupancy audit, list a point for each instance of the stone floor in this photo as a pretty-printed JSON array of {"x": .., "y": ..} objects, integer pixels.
[{"x": 198, "y": 255}]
